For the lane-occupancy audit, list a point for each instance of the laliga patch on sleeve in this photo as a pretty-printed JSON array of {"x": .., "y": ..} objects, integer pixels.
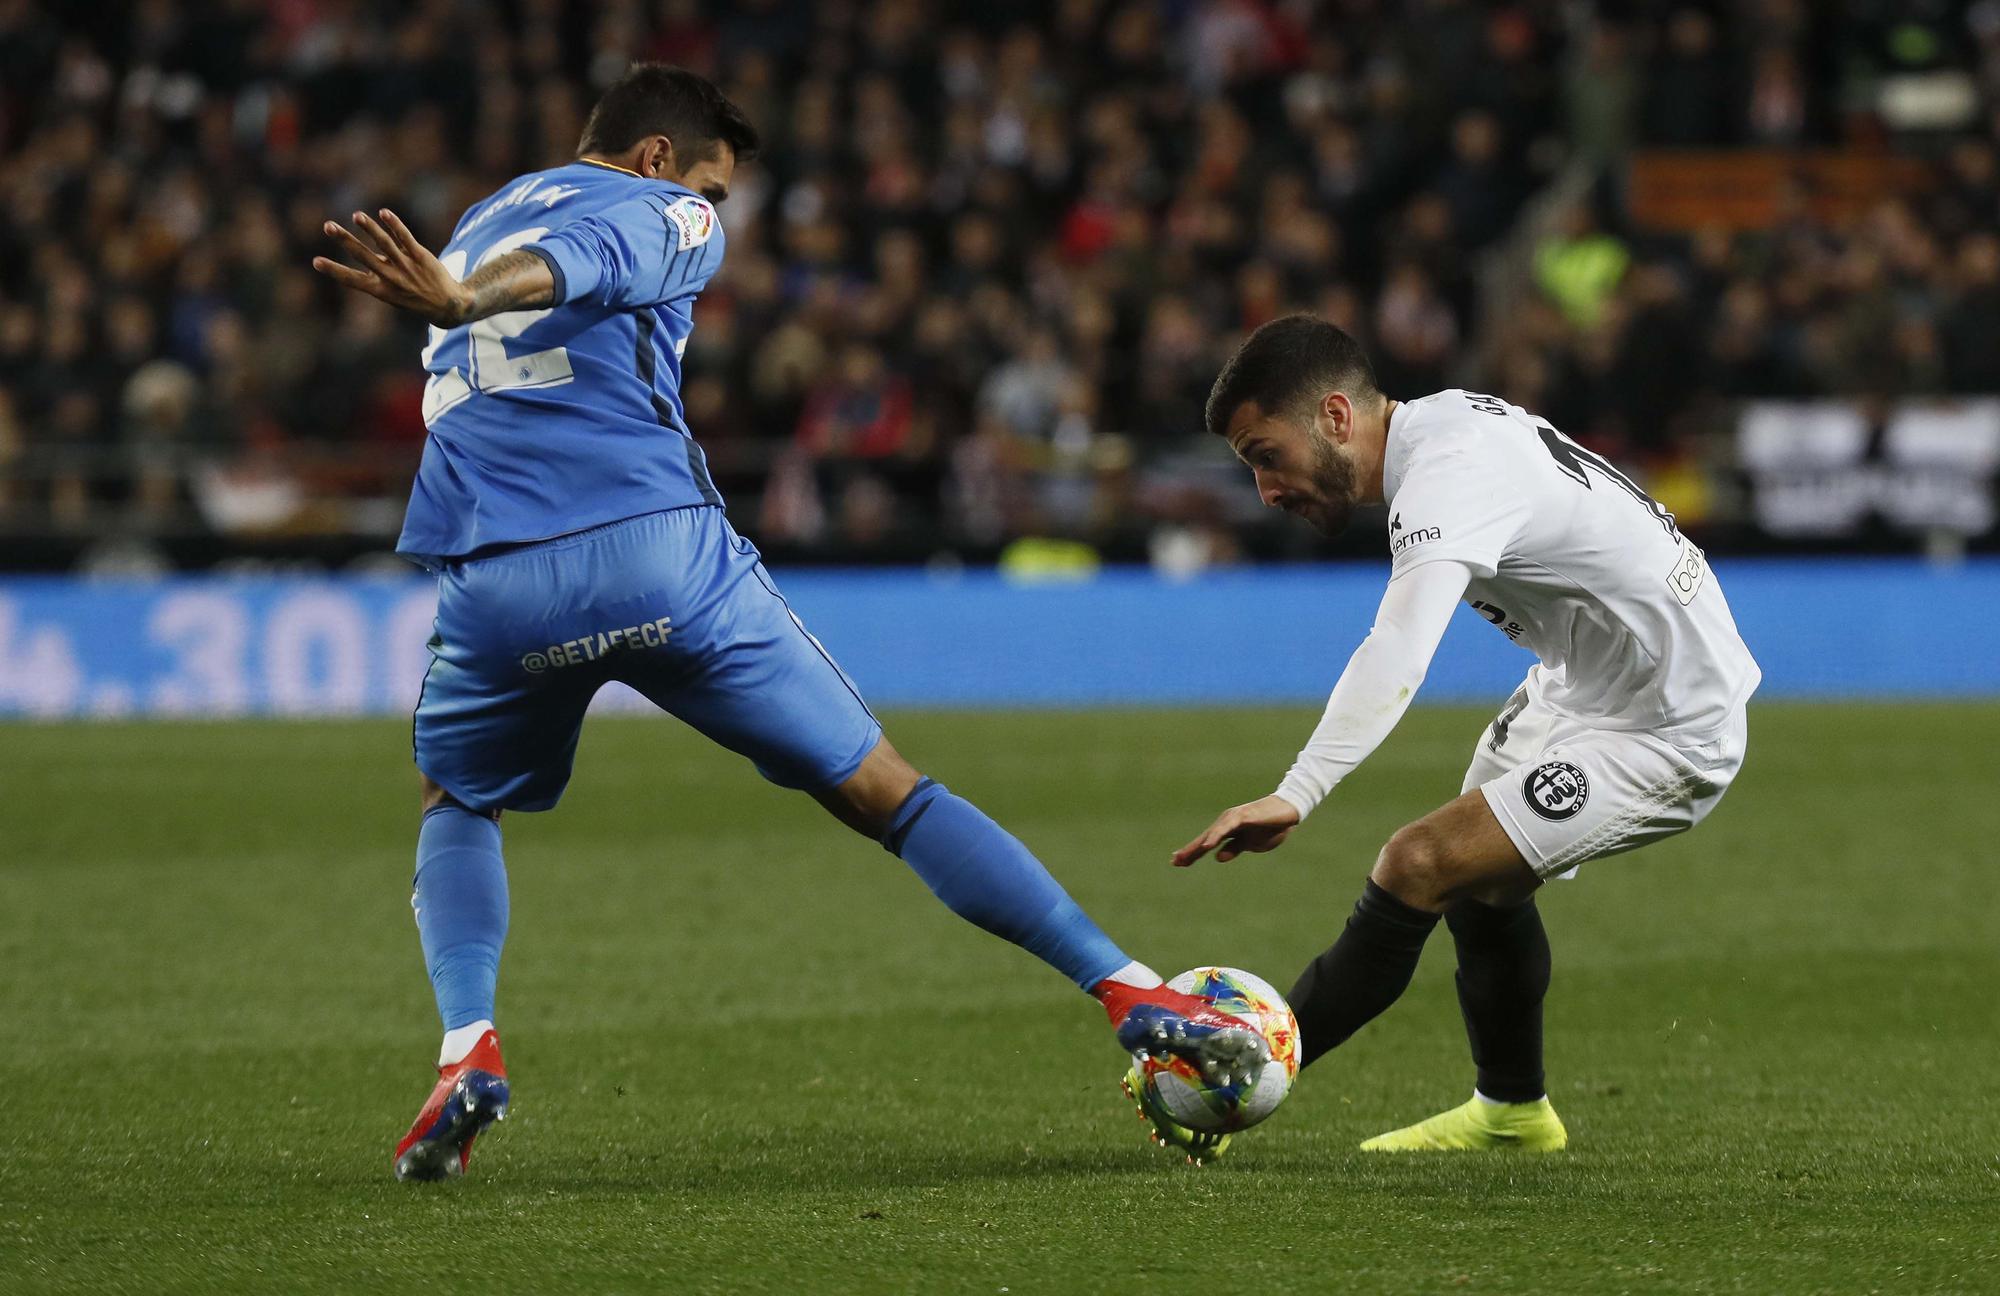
[{"x": 693, "y": 218}]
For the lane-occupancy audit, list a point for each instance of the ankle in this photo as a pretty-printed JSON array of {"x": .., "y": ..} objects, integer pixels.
[
  {"x": 1487, "y": 1100},
  {"x": 459, "y": 1041}
]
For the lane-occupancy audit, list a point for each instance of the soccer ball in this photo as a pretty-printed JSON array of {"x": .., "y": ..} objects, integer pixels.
[{"x": 1222, "y": 1109}]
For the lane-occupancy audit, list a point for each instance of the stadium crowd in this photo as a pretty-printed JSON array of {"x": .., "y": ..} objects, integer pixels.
[{"x": 980, "y": 280}]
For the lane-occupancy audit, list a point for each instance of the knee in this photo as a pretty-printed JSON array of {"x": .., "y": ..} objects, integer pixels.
[
  {"x": 869, "y": 811},
  {"x": 431, "y": 796},
  {"x": 1414, "y": 866},
  {"x": 869, "y": 799}
]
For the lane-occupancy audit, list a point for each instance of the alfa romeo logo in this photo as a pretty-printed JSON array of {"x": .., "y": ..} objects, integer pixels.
[{"x": 1555, "y": 790}]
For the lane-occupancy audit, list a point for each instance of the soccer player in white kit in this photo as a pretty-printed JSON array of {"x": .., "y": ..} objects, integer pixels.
[{"x": 1628, "y": 728}]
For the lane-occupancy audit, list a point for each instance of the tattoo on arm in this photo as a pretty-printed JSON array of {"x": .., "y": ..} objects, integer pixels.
[{"x": 516, "y": 281}]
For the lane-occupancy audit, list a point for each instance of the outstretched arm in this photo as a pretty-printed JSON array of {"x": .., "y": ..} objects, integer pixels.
[
  {"x": 401, "y": 271},
  {"x": 1374, "y": 691}
]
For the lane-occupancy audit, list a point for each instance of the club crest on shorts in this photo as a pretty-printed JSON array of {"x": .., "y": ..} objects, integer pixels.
[{"x": 1555, "y": 790}]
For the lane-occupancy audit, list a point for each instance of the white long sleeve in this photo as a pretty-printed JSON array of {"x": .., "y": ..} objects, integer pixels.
[{"x": 1380, "y": 679}]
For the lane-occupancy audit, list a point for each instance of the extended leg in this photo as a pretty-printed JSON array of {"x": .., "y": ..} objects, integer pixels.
[
  {"x": 978, "y": 869},
  {"x": 986, "y": 876},
  {"x": 1456, "y": 851},
  {"x": 746, "y": 673}
]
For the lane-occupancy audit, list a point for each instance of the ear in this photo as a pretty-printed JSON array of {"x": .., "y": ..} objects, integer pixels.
[
  {"x": 656, "y": 158},
  {"x": 1336, "y": 411}
]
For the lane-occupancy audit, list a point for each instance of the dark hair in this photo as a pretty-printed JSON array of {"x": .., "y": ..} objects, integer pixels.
[
  {"x": 1288, "y": 362},
  {"x": 660, "y": 99}
]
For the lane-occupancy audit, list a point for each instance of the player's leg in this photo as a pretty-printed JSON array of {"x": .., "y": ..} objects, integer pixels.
[
  {"x": 1504, "y": 966},
  {"x": 979, "y": 870},
  {"x": 744, "y": 671},
  {"x": 496, "y": 727},
  {"x": 1504, "y": 959},
  {"x": 985, "y": 875},
  {"x": 1451, "y": 854},
  {"x": 459, "y": 897},
  {"x": 1586, "y": 795},
  {"x": 1456, "y": 855}
]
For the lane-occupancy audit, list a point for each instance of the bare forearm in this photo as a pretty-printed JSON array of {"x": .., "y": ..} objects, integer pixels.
[{"x": 515, "y": 281}]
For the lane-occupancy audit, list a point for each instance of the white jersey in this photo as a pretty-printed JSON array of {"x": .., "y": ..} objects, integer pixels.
[{"x": 1569, "y": 558}]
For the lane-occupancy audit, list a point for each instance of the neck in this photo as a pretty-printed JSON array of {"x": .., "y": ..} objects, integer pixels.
[
  {"x": 629, "y": 164},
  {"x": 1377, "y": 433}
]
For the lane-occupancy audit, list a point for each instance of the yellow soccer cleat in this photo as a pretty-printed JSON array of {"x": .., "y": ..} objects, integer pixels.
[{"x": 1480, "y": 1126}]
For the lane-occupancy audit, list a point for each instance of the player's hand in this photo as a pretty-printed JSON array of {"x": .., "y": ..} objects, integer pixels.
[
  {"x": 395, "y": 268},
  {"x": 1258, "y": 826}
]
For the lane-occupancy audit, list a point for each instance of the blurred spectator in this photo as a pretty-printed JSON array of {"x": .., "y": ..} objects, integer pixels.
[
  {"x": 1971, "y": 324},
  {"x": 1689, "y": 96},
  {"x": 1602, "y": 95},
  {"x": 1476, "y": 183},
  {"x": 1416, "y": 337},
  {"x": 858, "y": 411},
  {"x": 1579, "y": 267}
]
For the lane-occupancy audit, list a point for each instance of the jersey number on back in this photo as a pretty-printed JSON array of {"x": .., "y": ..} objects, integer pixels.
[
  {"x": 1578, "y": 463},
  {"x": 490, "y": 368}
]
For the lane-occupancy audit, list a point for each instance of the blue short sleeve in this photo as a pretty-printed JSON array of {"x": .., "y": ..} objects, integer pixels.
[{"x": 645, "y": 251}]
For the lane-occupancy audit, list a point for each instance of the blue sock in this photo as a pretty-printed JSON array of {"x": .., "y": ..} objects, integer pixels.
[
  {"x": 461, "y": 904},
  {"x": 987, "y": 877}
]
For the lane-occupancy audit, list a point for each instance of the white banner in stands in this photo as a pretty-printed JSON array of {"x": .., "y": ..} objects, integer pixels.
[{"x": 1826, "y": 468}]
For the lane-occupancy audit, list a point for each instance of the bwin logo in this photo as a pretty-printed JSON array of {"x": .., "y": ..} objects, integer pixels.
[{"x": 1421, "y": 535}]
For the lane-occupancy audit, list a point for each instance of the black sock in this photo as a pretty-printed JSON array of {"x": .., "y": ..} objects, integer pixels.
[
  {"x": 1365, "y": 971},
  {"x": 1503, "y": 974}
]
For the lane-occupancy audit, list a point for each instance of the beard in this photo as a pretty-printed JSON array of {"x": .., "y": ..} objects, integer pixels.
[{"x": 1333, "y": 485}]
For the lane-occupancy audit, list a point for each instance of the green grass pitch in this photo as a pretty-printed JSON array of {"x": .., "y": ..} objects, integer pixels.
[{"x": 750, "y": 1053}]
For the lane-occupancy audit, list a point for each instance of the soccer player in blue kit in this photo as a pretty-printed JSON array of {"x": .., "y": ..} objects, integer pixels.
[{"x": 577, "y": 539}]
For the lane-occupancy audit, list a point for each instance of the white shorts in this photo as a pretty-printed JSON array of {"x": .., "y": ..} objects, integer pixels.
[{"x": 1566, "y": 792}]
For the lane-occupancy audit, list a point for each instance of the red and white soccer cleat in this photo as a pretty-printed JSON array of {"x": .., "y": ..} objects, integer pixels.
[
  {"x": 1163, "y": 1022},
  {"x": 470, "y": 1095}
]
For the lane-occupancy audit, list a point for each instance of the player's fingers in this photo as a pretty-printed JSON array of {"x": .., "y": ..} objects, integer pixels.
[
  {"x": 1221, "y": 837},
  {"x": 345, "y": 276},
  {"x": 1194, "y": 850},
  {"x": 1225, "y": 824},
  {"x": 1252, "y": 838},
  {"x": 393, "y": 257},
  {"x": 379, "y": 237},
  {"x": 353, "y": 246},
  {"x": 400, "y": 232},
  {"x": 1241, "y": 837}
]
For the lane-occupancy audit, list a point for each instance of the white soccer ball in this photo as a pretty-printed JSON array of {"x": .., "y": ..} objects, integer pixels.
[{"x": 1180, "y": 1088}]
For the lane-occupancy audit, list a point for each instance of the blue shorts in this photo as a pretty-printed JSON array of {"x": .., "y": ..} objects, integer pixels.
[{"x": 675, "y": 604}]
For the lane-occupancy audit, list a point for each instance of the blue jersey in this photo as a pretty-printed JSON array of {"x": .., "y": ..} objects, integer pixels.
[{"x": 547, "y": 422}]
